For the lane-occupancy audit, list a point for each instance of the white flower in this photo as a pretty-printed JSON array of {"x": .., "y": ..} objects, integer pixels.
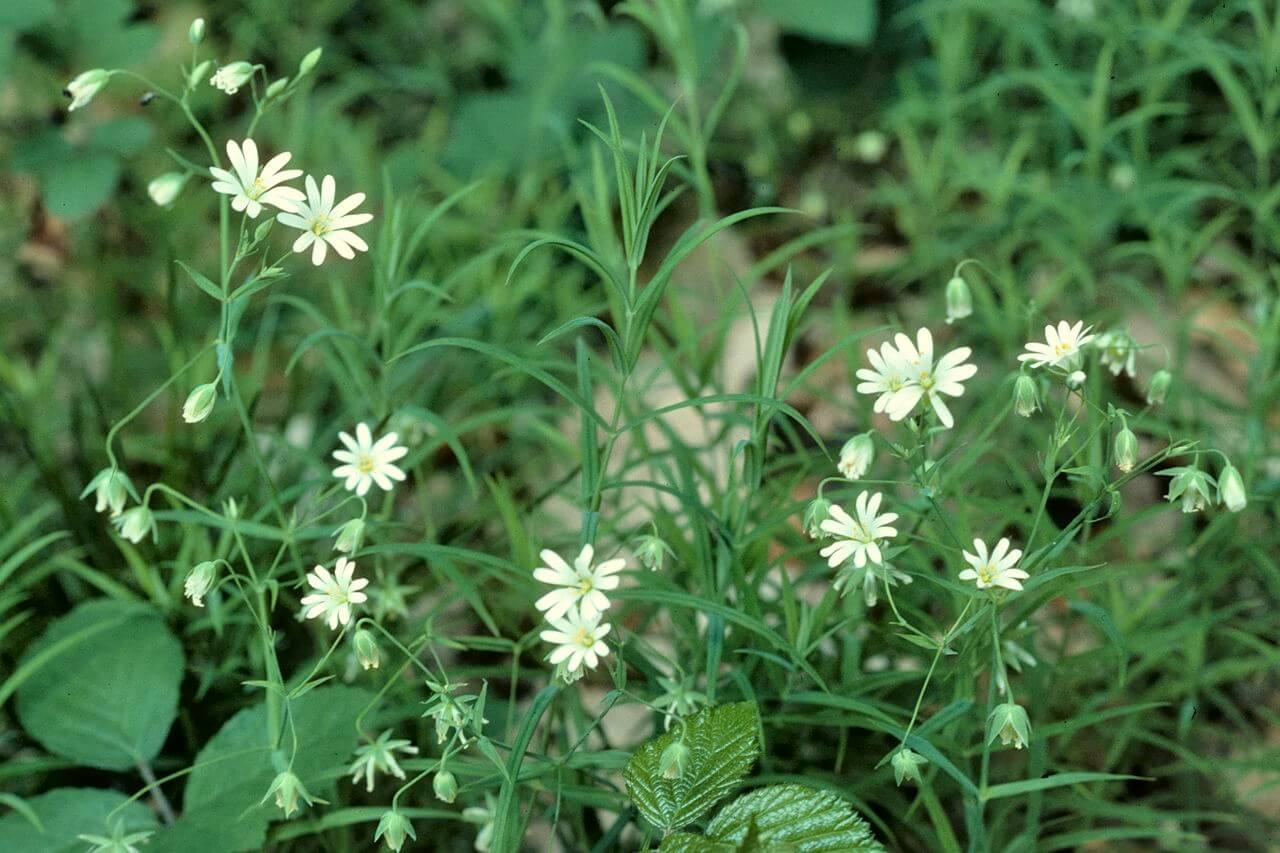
[
  {"x": 335, "y": 593},
  {"x": 577, "y": 584},
  {"x": 199, "y": 582},
  {"x": 230, "y": 77},
  {"x": 889, "y": 376},
  {"x": 578, "y": 640},
  {"x": 858, "y": 538},
  {"x": 134, "y": 524},
  {"x": 324, "y": 223},
  {"x": 368, "y": 462},
  {"x": 380, "y": 757},
  {"x": 164, "y": 189},
  {"x": 994, "y": 569},
  {"x": 250, "y": 188},
  {"x": 1119, "y": 352},
  {"x": 856, "y": 456},
  {"x": 1061, "y": 344},
  {"x": 87, "y": 84},
  {"x": 929, "y": 380}
]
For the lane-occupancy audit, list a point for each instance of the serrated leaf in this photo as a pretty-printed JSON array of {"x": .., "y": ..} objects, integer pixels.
[
  {"x": 65, "y": 813},
  {"x": 781, "y": 817},
  {"x": 106, "y": 688},
  {"x": 722, "y": 745}
]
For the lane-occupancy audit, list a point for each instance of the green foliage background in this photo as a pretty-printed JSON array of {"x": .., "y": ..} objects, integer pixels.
[{"x": 1116, "y": 168}]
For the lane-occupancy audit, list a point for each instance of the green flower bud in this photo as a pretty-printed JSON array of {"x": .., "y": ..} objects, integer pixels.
[
  {"x": 445, "y": 786},
  {"x": 366, "y": 649},
  {"x": 1126, "y": 449},
  {"x": 200, "y": 581},
  {"x": 288, "y": 789},
  {"x": 82, "y": 89},
  {"x": 818, "y": 511},
  {"x": 164, "y": 189},
  {"x": 959, "y": 299},
  {"x": 134, "y": 524},
  {"x": 1231, "y": 492},
  {"x": 652, "y": 552},
  {"x": 1075, "y": 379},
  {"x": 195, "y": 34},
  {"x": 309, "y": 62},
  {"x": 870, "y": 146},
  {"x": 394, "y": 828},
  {"x": 674, "y": 760},
  {"x": 1009, "y": 722},
  {"x": 197, "y": 73},
  {"x": 277, "y": 86},
  {"x": 264, "y": 228},
  {"x": 111, "y": 488},
  {"x": 1026, "y": 399},
  {"x": 348, "y": 537},
  {"x": 200, "y": 403},
  {"x": 1158, "y": 388},
  {"x": 906, "y": 765},
  {"x": 856, "y": 456}
]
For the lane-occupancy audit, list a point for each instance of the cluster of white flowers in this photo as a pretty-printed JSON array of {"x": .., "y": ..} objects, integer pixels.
[
  {"x": 904, "y": 373},
  {"x": 324, "y": 222},
  {"x": 575, "y": 607}
]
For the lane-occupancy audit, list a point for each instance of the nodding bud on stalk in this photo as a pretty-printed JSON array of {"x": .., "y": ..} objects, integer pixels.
[
  {"x": 135, "y": 524},
  {"x": 674, "y": 760},
  {"x": 906, "y": 766},
  {"x": 1231, "y": 493},
  {"x": 1009, "y": 722},
  {"x": 818, "y": 511},
  {"x": 82, "y": 89},
  {"x": 1158, "y": 388},
  {"x": 856, "y": 456},
  {"x": 348, "y": 537},
  {"x": 111, "y": 488},
  {"x": 1188, "y": 484},
  {"x": 164, "y": 189},
  {"x": 288, "y": 789},
  {"x": 230, "y": 77},
  {"x": 652, "y": 552},
  {"x": 200, "y": 581},
  {"x": 200, "y": 403},
  {"x": 195, "y": 35},
  {"x": 445, "y": 786},
  {"x": 1126, "y": 449},
  {"x": 366, "y": 649},
  {"x": 394, "y": 828},
  {"x": 1026, "y": 399},
  {"x": 1075, "y": 379},
  {"x": 959, "y": 299}
]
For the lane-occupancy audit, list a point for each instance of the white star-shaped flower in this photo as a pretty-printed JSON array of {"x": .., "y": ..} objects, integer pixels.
[
  {"x": 1061, "y": 344},
  {"x": 994, "y": 569},
  {"x": 324, "y": 223},
  {"x": 380, "y": 757},
  {"x": 858, "y": 538},
  {"x": 335, "y": 593},
  {"x": 251, "y": 188},
  {"x": 929, "y": 381},
  {"x": 578, "y": 640},
  {"x": 368, "y": 462},
  {"x": 580, "y": 583},
  {"x": 888, "y": 376}
]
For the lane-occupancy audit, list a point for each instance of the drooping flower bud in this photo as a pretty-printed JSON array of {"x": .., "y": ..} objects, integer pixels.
[
  {"x": 394, "y": 828},
  {"x": 1231, "y": 491},
  {"x": 230, "y": 77},
  {"x": 288, "y": 789},
  {"x": 1190, "y": 485},
  {"x": 135, "y": 524},
  {"x": 1075, "y": 379},
  {"x": 674, "y": 760},
  {"x": 200, "y": 403},
  {"x": 1158, "y": 388},
  {"x": 1009, "y": 722},
  {"x": 348, "y": 537},
  {"x": 200, "y": 581},
  {"x": 111, "y": 488},
  {"x": 652, "y": 552},
  {"x": 445, "y": 786},
  {"x": 959, "y": 299},
  {"x": 1026, "y": 399},
  {"x": 82, "y": 89},
  {"x": 818, "y": 511},
  {"x": 1126, "y": 449},
  {"x": 856, "y": 456},
  {"x": 906, "y": 766},
  {"x": 164, "y": 189},
  {"x": 197, "y": 73},
  {"x": 366, "y": 649}
]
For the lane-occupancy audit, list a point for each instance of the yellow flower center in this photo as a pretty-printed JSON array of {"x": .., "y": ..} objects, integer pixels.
[
  {"x": 926, "y": 380},
  {"x": 583, "y": 638},
  {"x": 365, "y": 464},
  {"x": 986, "y": 574},
  {"x": 585, "y": 586},
  {"x": 320, "y": 225},
  {"x": 257, "y": 189},
  {"x": 1062, "y": 348}
]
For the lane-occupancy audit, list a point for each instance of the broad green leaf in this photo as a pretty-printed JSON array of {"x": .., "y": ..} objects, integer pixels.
[
  {"x": 838, "y": 21},
  {"x": 66, "y": 813},
  {"x": 777, "y": 818},
  {"x": 222, "y": 808},
  {"x": 723, "y": 745},
  {"x": 104, "y": 689},
  {"x": 80, "y": 185}
]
